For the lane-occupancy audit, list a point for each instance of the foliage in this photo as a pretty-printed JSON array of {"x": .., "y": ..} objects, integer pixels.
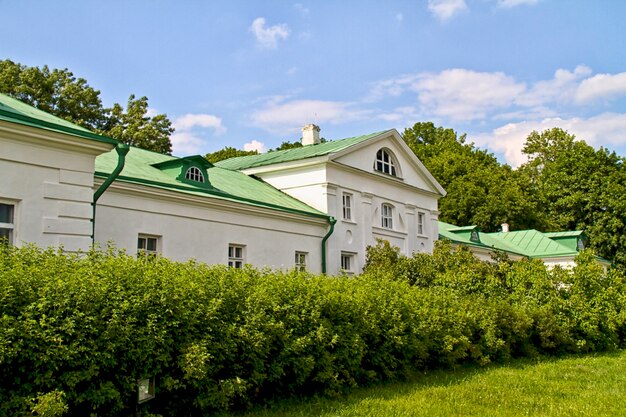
[
  {"x": 291, "y": 145},
  {"x": 79, "y": 331},
  {"x": 226, "y": 153},
  {"x": 60, "y": 93},
  {"x": 480, "y": 190},
  {"x": 135, "y": 127},
  {"x": 579, "y": 188}
]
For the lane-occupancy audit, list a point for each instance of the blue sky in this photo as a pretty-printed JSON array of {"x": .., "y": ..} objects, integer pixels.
[{"x": 251, "y": 73}]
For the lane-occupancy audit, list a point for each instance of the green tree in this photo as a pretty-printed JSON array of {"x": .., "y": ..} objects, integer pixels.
[
  {"x": 227, "y": 153},
  {"x": 579, "y": 188},
  {"x": 479, "y": 189},
  {"x": 135, "y": 127},
  {"x": 60, "y": 93},
  {"x": 291, "y": 145}
]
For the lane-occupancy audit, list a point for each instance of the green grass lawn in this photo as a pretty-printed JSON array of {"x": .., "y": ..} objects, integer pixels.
[{"x": 574, "y": 386}]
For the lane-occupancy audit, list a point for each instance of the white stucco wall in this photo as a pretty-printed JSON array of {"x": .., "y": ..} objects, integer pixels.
[
  {"x": 321, "y": 184},
  {"x": 50, "y": 183},
  {"x": 192, "y": 229}
]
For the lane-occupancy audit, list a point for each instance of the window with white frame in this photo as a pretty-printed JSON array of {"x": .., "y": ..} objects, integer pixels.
[
  {"x": 385, "y": 163},
  {"x": 148, "y": 245},
  {"x": 347, "y": 206},
  {"x": 194, "y": 174},
  {"x": 7, "y": 225},
  {"x": 420, "y": 223},
  {"x": 386, "y": 216},
  {"x": 236, "y": 256},
  {"x": 301, "y": 261},
  {"x": 348, "y": 262}
]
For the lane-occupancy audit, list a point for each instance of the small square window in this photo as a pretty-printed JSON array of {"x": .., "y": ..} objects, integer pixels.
[
  {"x": 148, "y": 245},
  {"x": 301, "y": 261},
  {"x": 7, "y": 226},
  {"x": 236, "y": 257},
  {"x": 347, "y": 206},
  {"x": 348, "y": 263}
]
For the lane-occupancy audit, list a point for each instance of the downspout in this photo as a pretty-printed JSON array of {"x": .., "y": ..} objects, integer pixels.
[
  {"x": 121, "y": 149},
  {"x": 332, "y": 222}
]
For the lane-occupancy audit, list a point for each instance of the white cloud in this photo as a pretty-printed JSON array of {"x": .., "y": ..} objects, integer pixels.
[
  {"x": 461, "y": 94},
  {"x": 190, "y": 129},
  {"x": 190, "y": 121},
  {"x": 266, "y": 36},
  {"x": 445, "y": 9},
  {"x": 281, "y": 117},
  {"x": 560, "y": 89},
  {"x": 601, "y": 86},
  {"x": 514, "y": 3},
  {"x": 601, "y": 130},
  {"x": 255, "y": 145},
  {"x": 186, "y": 143}
]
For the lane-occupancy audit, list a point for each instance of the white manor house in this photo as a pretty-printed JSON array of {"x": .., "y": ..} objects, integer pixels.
[{"x": 316, "y": 207}]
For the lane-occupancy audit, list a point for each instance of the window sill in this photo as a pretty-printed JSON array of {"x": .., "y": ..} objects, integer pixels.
[
  {"x": 349, "y": 221},
  {"x": 389, "y": 232}
]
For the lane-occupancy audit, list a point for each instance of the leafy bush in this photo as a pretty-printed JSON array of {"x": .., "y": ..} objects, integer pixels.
[{"x": 78, "y": 332}]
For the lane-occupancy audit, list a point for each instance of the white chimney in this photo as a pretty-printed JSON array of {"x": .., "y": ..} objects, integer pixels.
[
  {"x": 310, "y": 134},
  {"x": 505, "y": 227}
]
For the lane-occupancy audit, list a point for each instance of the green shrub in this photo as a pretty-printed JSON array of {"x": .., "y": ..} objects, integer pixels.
[{"x": 78, "y": 332}]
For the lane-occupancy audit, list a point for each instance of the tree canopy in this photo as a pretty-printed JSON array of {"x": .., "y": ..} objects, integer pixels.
[
  {"x": 480, "y": 190},
  {"x": 227, "y": 153},
  {"x": 59, "y": 92}
]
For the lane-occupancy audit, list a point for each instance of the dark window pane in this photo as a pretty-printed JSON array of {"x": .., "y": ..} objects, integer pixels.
[{"x": 6, "y": 213}]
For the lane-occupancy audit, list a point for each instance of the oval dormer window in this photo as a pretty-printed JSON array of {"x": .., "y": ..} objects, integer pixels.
[
  {"x": 194, "y": 174},
  {"x": 385, "y": 163}
]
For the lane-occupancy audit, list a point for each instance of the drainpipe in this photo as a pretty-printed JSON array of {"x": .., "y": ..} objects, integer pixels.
[
  {"x": 121, "y": 149},
  {"x": 332, "y": 222}
]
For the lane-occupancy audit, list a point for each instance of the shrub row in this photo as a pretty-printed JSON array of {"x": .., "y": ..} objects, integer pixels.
[{"x": 77, "y": 332}]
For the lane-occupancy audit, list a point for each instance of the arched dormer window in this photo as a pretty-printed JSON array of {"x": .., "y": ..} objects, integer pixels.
[
  {"x": 386, "y": 216},
  {"x": 385, "y": 162},
  {"x": 194, "y": 174}
]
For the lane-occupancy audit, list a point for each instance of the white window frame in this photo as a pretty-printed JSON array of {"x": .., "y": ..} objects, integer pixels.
[
  {"x": 346, "y": 200},
  {"x": 9, "y": 226},
  {"x": 348, "y": 263},
  {"x": 385, "y": 162},
  {"x": 386, "y": 216},
  {"x": 194, "y": 174},
  {"x": 421, "y": 217},
  {"x": 236, "y": 255},
  {"x": 301, "y": 261},
  {"x": 143, "y": 241}
]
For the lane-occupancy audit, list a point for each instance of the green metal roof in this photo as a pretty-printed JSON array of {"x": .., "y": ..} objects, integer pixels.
[
  {"x": 295, "y": 154},
  {"x": 14, "y": 111},
  {"x": 224, "y": 184},
  {"x": 530, "y": 243}
]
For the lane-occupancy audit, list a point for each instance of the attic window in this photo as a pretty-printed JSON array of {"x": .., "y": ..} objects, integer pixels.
[
  {"x": 194, "y": 174},
  {"x": 385, "y": 162}
]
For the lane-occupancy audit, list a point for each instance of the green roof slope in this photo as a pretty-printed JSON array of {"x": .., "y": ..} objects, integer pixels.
[
  {"x": 225, "y": 184},
  {"x": 295, "y": 154},
  {"x": 12, "y": 110},
  {"x": 530, "y": 243}
]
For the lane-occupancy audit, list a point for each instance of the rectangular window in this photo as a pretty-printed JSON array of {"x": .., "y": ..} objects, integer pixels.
[
  {"x": 148, "y": 245},
  {"x": 7, "y": 212},
  {"x": 420, "y": 223},
  {"x": 236, "y": 257},
  {"x": 347, "y": 263},
  {"x": 347, "y": 206},
  {"x": 386, "y": 219},
  {"x": 301, "y": 261}
]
